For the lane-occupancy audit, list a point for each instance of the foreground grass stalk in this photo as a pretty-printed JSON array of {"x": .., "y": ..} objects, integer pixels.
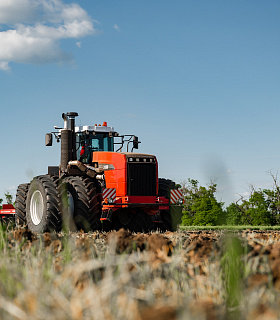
[{"x": 232, "y": 273}]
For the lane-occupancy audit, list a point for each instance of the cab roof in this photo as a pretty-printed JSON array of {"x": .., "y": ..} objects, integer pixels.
[{"x": 99, "y": 128}]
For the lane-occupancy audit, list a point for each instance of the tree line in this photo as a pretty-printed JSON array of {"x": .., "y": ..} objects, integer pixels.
[{"x": 201, "y": 207}]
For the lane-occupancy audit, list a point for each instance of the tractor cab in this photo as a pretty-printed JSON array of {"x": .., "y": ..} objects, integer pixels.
[
  {"x": 100, "y": 138},
  {"x": 93, "y": 138}
]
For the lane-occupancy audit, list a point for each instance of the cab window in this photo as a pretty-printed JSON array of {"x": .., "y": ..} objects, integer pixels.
[
  {"x": 88, "y": 143},
  {"x": 102, "y": 142}
]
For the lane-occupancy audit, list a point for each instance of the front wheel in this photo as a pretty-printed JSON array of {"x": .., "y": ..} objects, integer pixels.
[
  {"x": 79, "y": 203},
  {"x": 42, "y": 209}
]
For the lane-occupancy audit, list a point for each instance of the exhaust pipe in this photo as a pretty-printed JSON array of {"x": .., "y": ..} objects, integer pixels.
[
  {"x": 68, "y": 140},
  {"x": 92, "y": 172},
  {"x": 66, "y": 149},
  {"x": 65, "y": 119}
]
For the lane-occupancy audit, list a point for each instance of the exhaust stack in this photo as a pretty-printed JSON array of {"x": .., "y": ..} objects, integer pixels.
[{"x": 68, "y": 140}]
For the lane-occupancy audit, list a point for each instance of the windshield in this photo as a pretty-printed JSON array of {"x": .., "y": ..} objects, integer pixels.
[{"x": 88, "y": 143}]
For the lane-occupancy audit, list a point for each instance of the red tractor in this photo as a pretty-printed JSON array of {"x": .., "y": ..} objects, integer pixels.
[{"x": 98, "y": 185}]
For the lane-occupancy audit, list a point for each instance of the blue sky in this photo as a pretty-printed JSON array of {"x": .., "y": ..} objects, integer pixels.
[{"x": 197, "y": 81}]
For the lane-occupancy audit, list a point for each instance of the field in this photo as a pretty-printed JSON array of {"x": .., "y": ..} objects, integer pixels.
[{"x": 189, "y": 274}]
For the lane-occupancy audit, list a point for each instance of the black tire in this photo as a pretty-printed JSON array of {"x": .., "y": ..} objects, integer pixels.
[
  {"x": 164, "y": 186},
  {"x": 166, "y": 221},
  {"x": 20, "y": 204},
  {"x": 42, "y": 206},
  {"x": 55, "y": 179},
  {"x": 133, "y": 220},
  {"x": 86, "y": 206}
]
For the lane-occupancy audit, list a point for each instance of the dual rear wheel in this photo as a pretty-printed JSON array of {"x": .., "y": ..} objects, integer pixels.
[
  {"x": 48, "y": 204},
  {"x": 42, "y": 205},
  {"x": 79, "y": 204}
]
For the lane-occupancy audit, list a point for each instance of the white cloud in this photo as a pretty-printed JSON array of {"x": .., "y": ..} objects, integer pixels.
[
  {"x": 116, "y": 27},
  {"x": 16, "y": 11},
  {"x": 12, "y": 188},
  {"x": 34, "y": 29},
  {"x": 4, "y": 66}
]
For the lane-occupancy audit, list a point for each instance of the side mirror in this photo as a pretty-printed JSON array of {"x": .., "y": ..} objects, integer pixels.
[
  {"x": 135, "y": 142},
  {"x": 48, "y": 139}
]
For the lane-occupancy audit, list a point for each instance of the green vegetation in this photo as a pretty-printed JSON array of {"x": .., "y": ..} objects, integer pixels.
[
  {"x": 228, "y": 227},
  {"x": 201, "y": 207},
  {"x": 9, "y": 199},
  {"x": 262, "y": 208},
  {"x": 233, "y": 274}
]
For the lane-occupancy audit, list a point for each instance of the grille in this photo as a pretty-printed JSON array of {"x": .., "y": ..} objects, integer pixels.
[{"x": 141, "y": 179}]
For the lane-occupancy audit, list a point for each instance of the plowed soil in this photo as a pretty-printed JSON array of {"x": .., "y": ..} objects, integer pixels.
[{"x": 172, "y": 275}]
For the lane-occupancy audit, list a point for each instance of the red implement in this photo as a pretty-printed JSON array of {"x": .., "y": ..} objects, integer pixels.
[{"x": 7, "y": 210}]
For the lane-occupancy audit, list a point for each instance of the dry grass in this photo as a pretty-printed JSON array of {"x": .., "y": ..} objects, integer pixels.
[{"x": 181, "y": 275}]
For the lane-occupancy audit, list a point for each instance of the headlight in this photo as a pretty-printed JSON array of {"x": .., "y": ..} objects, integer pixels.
[
  {"x": 110, "y": 200},
  {"x": 181, "y": 201}
]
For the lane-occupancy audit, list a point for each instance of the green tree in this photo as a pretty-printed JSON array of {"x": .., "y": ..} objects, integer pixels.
[
  {"x": 234, "y": 215},
  {"x": 9, "y": 198},
  {"x": 273, "y": 204},
  {"x": 259, "y": 209},
  {"x": 201, "y": 206},
  {"x": 190, "y": 192}
]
